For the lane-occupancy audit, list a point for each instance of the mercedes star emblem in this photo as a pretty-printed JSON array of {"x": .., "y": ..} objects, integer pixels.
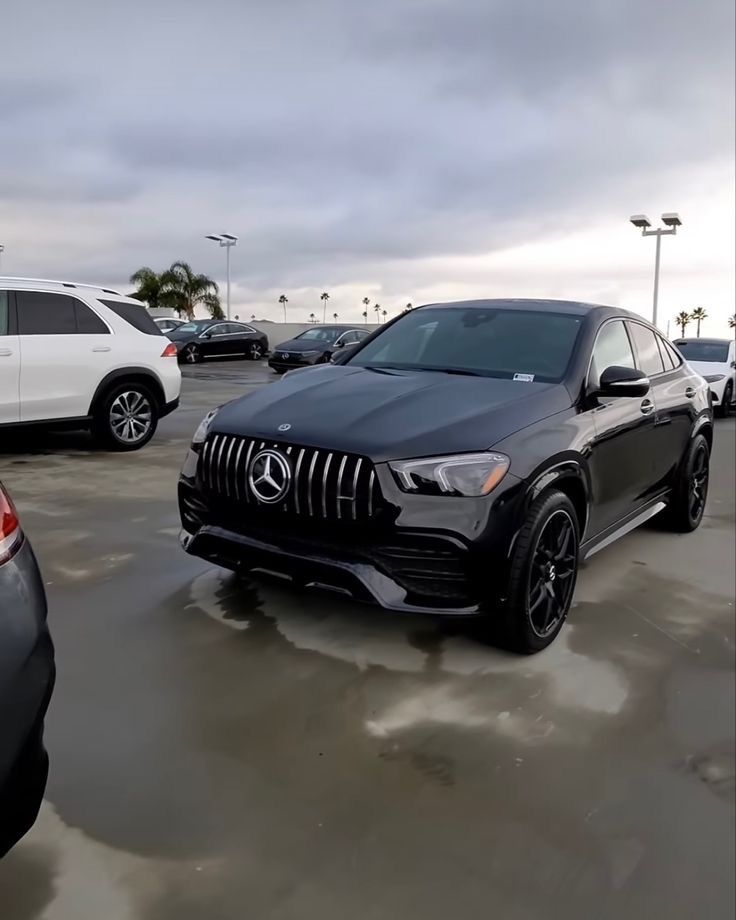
[
  {"x": 269, "y": 476},
  {"x": 285, "y": 427}
]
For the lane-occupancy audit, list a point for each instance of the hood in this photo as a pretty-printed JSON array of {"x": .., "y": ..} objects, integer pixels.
[
  {"x": 300, "y": 345},
  {"x": 709, "y": 368},
  {"x": 390, "y": 414}
]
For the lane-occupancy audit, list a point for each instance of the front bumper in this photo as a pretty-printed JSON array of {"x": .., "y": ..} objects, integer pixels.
[
  {"x": 438, "y": 555},
  {"x": 279, "y": 364}
]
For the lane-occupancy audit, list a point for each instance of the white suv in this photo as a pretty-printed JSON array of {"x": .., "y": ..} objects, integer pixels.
[
  {"x": 715, "y": 360},
  {"x": 77, "y": 356}
]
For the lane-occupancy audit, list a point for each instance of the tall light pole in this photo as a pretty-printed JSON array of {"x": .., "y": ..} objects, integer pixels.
[
  {"x": 228, "y": 241},
  {"x": 671, "y": 221}
]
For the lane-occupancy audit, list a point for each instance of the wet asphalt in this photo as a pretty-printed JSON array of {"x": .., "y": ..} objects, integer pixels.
[{"x": 231, "y": 751}]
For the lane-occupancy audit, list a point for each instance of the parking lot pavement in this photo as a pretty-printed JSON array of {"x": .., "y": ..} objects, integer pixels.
[{"x": 224, "y": 750}]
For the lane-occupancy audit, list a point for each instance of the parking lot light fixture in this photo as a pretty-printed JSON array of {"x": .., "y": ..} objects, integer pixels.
[
  {"x": 672, "y": 221},
  {"x": 227, "y": 240}
]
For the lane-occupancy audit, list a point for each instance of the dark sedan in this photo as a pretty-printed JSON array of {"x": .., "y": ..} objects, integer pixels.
[
  {"x": 212, "y": 338},
  {"x": 26, "y": 680},
  {"x": 464, "y": 460},
  {"x": 315, "y": 346}
]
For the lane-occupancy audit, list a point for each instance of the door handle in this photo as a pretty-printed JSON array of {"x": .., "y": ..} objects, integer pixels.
[
  {"x": 690, "y": 392},
  {"x": 101, "y": 348},
  {"x": 5, "y": 352},
  {"x": 646, "y": 407}
]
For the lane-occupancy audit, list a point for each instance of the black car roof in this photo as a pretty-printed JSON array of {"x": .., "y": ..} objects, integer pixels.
[{"x": 528, "y": 303}]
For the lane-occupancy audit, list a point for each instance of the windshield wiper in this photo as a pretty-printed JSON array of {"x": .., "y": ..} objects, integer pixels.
[{"x": 462, "y": 371}]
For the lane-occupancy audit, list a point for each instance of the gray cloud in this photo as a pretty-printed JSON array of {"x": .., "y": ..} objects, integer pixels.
[{"x": 341, "y": 140}]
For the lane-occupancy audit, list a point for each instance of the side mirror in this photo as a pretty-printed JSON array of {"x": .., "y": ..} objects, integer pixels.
[
  {"x": 623, "y": 381},
  {"x": 338, "y": 345},
  {"x": 207, "y": 334},
  {"x": 733, "y": 365}
]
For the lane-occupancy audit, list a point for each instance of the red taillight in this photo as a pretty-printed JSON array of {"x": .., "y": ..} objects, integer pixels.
[
  {"x": 170, "y": 351},
  {"x": 10, "y": 533}
]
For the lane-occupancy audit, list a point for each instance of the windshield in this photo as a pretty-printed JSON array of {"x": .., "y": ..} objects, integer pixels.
[
  {"x": 193, "y": 327},
  {"x": 709, "y": 352},
  {"x": 321, "y": 335},
  {"x": 514, "y": 344}
]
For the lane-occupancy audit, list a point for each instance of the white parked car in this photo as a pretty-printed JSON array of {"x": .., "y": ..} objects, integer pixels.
[
  {"x": 77, "y": 356},
  {"x": 167, "y": 323},
  {"x": 715, "y": 360}
]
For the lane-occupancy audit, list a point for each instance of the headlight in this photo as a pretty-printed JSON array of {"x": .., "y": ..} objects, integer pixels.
[
  {"x": 460, "y": 474},
  {"x": 714, "y": 378},
  {"x": 200, "y": 435}
]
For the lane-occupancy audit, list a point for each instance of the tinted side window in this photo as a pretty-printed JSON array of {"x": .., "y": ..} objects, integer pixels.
[
  {"x": 135, "y": 314},
  {"x": 649, "y": 359},
  {"x": 612, "y": 348},
  {"x": 44, "y": 313},
  {"x": 88, "y": 322},
  {"x": 4, "y": 313},
  {"x": 669, "y": 364},
  {"x": 673, "y": 353}
]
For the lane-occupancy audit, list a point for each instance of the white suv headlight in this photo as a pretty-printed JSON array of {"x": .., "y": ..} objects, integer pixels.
[{"x": 459, "y": 474}]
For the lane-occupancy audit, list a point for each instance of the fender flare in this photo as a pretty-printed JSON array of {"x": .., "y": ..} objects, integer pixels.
[{"x": 126, "y": 373}]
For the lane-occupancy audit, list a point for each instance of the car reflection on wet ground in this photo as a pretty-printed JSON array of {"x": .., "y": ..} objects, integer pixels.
[{"x": 229, "y": 749}]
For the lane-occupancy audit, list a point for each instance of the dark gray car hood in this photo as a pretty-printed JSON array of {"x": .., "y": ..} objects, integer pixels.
[{"x": 390, "y": 414}]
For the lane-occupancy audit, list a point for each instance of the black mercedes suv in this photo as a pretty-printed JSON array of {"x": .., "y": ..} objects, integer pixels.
[{"x": 463, "y": 460}]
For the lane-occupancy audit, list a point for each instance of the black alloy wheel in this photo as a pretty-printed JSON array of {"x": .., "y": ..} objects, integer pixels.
[
  {"x": 552, "y": 574},
  {"x": 699, "y": 482},
  {"x": 686, "y": 506},
  {"x": 542, "y": 575},
  {"x": 725, "y": 407}
]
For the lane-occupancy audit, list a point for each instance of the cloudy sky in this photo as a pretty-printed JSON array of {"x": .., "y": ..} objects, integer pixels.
[{"x": 404, "y": 150}]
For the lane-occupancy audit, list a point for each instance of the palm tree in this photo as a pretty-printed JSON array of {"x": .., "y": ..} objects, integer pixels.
[
  {"x": 188, "y": 291},
  {"x": 149, "y": 288},
  {"x": 365, "y": 316},
  {"x": 324, "y": 297},
  {"x": 377, "y": 308},
  {"x": 283, "y": 300},
  {"x": 408, "y": 307},
  {"x": 698, "y": 315},
  {"x": 312, "y": 318},
  {"x": 682, "y": 319},
  {"x": 732, "y": 322},
  {"x": 334, "y": 316},
  {"x": 384, "y": 314}
]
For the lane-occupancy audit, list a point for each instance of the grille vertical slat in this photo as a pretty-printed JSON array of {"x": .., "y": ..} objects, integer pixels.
[
  {"x": 322, "y": 481},
  {"x": 237, "y": 468},
  {"x": 297, "y": 481},
  {"x": 338, "y": 493},
  {"x": 356, "y": 476},
  {"x": 228, "y": 461},
  {"x": 325, "y": 474},
  {"x": 310, "y": 479}
]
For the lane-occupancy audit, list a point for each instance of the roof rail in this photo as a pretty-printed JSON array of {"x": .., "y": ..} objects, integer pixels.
[{"x": 66, "y": 284}]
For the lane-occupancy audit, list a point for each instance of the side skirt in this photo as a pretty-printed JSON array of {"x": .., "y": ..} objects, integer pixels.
[{"x": 591, "y": 547}]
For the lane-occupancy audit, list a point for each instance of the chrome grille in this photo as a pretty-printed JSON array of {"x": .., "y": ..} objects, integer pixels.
[{"x": 325, "y": 485}]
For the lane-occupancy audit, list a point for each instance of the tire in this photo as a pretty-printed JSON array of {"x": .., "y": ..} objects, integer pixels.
[
  {"x": 690, "y": 492},
  {"x": 255, "y": 351},
  {"x": 126, "y": 417},
  {"x": 544, "y": 568},
  {"x": 190, "y": 354},
  {"x": 724, "y": 407}
]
